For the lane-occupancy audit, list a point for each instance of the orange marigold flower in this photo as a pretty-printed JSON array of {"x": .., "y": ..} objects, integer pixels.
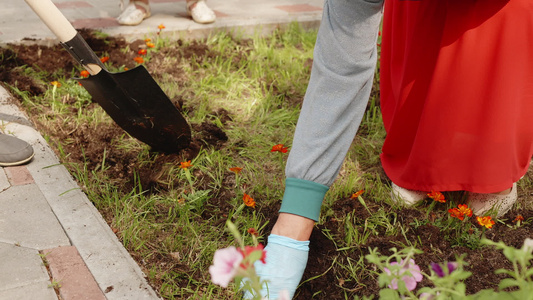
[
  {"x": 279, "y": 148},
  {"x": 253, "y": 231},
  {"x": 161, "y": 27},
  {"x": 150, "y": 45},
  {"x": 185, "y": 164},
  {"x": 147, "y": 40},
  {"x": 142, "y": 52},
  {"x": 357, "y": 194},
  {"x": 518, "y": 218},
  {"x": 248, "y": 201},
  {"x": 104, "y": 59},
  {"x": 56, "y": 83},
  {"x": 84, "y": 73},
  {"x": 456, "y": 213},
  {"x": 236, "y": 170},
  {"x": 485, "y": 221},
  {"x": 437, "y": 196},
  {"x": 138, "y": 59},
  {"x": 465, "y": 210}
]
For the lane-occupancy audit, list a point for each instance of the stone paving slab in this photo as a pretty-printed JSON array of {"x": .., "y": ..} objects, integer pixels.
[
  {"x": 75, "y": 280},
  {"x": 23, "y": 274},
  {"x": 18, "y": 175},
  {"x": 27, "y": 220},
  {"x": 4, "y": 182},
  {"x": 35, "y": 291}
]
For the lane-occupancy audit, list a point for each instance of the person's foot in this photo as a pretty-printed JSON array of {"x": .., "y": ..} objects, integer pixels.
[
  {"x": 497, "y": 203},
  {"x": 200, "y": 12},
  {"x": 134, "y": 14},
  {"x": 14, "y": 151},
  {"x": 406, "y": 197}
]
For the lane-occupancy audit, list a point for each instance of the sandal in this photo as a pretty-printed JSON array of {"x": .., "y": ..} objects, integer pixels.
[
  {"x": 200, "y": 12},
  {"x": 499, "y": 204},
  {"x": 133, "y": 15},
  {"x": 406, "y": 197}
]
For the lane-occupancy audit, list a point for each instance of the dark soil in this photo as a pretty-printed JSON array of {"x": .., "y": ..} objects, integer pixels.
[{"x": 331, "y": 280}]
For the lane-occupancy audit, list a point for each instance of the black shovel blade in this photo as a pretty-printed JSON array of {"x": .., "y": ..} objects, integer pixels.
[{"x": 138, "y": 105}]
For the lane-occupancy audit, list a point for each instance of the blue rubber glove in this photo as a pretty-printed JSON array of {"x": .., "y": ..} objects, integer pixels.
[{"x": 286, "y": 260}]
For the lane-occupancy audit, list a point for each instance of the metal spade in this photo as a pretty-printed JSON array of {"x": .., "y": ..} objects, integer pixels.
[{"x": 131, "y": 98}]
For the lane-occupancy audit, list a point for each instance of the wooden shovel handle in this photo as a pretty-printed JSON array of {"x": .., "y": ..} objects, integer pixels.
[
  {"x": 53, "y": 18},
  {"x": 61, "y": 27}
]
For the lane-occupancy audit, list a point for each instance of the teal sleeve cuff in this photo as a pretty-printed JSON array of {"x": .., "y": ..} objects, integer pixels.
[
  {"x": 303, "y": 198},
  {"x": 288, "y": 242}
]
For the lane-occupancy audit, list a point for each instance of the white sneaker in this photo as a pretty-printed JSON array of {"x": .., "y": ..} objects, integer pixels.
[
  {"x": 406, "y": 197},
  {"x": 484, "y": 203},
  {"x": 200, "y": 12},
  {"x": 133, "y": 15}
]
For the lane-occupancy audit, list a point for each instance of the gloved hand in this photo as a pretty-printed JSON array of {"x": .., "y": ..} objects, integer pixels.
[{"x": 286, "y": 260}]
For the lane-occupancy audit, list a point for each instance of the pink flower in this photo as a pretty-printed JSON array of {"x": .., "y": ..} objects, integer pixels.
[
  {"x": 225, "y": 265},
  {"x": 410, "y": 279}
]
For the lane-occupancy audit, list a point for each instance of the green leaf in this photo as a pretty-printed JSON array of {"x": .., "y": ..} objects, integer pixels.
[
  {"x": 507, "y": 282},
  {"x": 384, "y": 280},
  {"x": 387, "y": 294},
  {"x": 529, "y": 273},
  {"x": 255, "y": 255},
  {"x": 233, "y": 229},
  {"x": 462, "y": 275},
  {"x": 461, "y": 288}
]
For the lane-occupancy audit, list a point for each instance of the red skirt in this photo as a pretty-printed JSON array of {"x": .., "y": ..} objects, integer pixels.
[{"x": 457, "y": 93}]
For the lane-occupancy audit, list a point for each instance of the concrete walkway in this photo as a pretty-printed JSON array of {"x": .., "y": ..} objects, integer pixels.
[
  {"x": 18, "y": 23},
  {"x": 53, "y": 243}
]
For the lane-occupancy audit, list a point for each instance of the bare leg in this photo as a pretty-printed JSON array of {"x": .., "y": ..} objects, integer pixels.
[
  {"x": 140, "y": 7},
  {"x": 293, "y": 226}
]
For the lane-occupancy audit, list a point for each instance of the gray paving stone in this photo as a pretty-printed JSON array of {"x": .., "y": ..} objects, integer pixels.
[
  {"x": 27, "y": 220},
  {"x": 23, "y": 275},
  {"x": 13, "y": 121},
  {"x": 4, "y": 182},
  {"x": 10, "y": 113},
  {"x": 37, "y": 290}
]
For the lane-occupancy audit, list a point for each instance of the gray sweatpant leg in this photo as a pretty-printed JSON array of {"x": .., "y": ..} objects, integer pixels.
[{"x": 341, "y": 80}]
